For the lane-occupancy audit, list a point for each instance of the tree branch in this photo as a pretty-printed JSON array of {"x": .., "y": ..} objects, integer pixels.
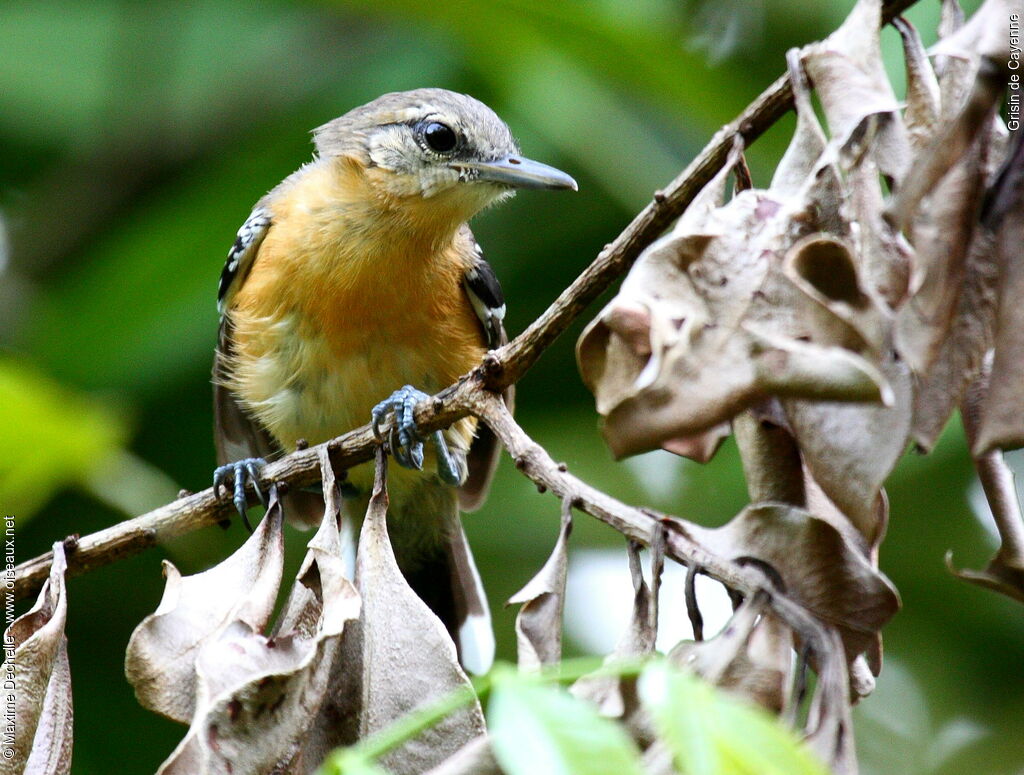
[{"x": 499, "y": 369}]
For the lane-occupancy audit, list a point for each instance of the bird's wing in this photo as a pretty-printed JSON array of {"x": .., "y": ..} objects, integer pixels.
[
  {"x": 484, "y": 292},
  {"x": 237, "y": 435},
  {"x": 242, "y": 254}
]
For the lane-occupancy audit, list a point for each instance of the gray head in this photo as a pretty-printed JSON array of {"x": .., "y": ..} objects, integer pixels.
[{"x": 427, "y": 142}]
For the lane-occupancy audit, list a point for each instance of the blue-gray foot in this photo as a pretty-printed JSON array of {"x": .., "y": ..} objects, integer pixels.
[
  {"x": 406, "y": 439},
  {"x": 248, "y": 470}
]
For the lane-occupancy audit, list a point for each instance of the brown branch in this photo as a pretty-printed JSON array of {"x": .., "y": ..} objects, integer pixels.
[
  {"x": 642, "y": 525},
  {"x": 500, "y": 368}
]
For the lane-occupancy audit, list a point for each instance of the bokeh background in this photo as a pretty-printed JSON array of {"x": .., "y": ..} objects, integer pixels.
[{"x": 136, "y": 136}]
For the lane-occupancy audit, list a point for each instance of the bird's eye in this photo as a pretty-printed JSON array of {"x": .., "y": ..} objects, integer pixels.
[{"x": 440, "y": 137}]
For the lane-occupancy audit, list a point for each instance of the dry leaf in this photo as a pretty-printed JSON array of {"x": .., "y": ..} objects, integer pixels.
[
  {"x": 161, "y": 659},
  {"x": 37, "y": 659},
  {"x": 962, "y": 353},
  {"x": 830, "y": 726},
  {"x": 923, "y": 97},
  {"x": 808, "y": 143},
  {"x": 751, "y": 657},
  {"x": 847, "y": 72},
  {"x": 616, "y": 696},
  {"x": 700, "y": 447},
  {"x": 711, "y": 320},
  {"x": 539, "y": 622},
  {"x": 850, "y": 449},
  {"x": 1002, "y": 419},
  {"x": 257, "y": 696},
  {"x": 823, "y": 567},
  {"x": 1005, "y": 573},
  {"x": 965, "y": 46},
  {"x": 406, "y": 658}
]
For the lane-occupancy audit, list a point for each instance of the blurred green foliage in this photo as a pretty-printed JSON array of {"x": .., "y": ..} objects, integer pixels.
[{"x": 135, "y": 138}]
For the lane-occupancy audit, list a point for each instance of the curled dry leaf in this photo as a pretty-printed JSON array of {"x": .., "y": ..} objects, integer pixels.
[
  {"x": 258, "y": 696},
  {"x": 823, "y": 567},
  {"x": 808, "y": 143},
  {"x": 923, "y": 97},
  {"x": 405, "y": 659},
  {"x": 830, "y": 726},
  {"x": 964, "y": 47},
  {"x": 941, "y": 233},
  {"x": 37, "y": 660},
  {"x": 752, "y": 656},
  {"x": 850, "y": 449},
  {"x": 847, "y": 72},
  {"x": 1002, "y": 418},
  {"x": 539, "y": 622},
  {"x": 1005, "y": 573},
  {"x": 711, "y": 319},
  {"x": 161, "y": 659},
  {"x": 939, "y": 206},
  {"x": 616, "y": 696},
  {"x": 962, "y": 353}
]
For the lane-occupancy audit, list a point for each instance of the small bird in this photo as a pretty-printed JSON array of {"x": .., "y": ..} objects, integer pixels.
[{"x": 353, "y": 286}]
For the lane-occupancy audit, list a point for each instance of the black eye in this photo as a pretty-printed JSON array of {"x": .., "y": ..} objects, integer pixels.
[{"x": 440, "y": 137}]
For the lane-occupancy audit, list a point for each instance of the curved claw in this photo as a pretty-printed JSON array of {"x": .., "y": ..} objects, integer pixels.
[
  {"x": 248, "y": 470},
  {"x": 404, "y": 440}
]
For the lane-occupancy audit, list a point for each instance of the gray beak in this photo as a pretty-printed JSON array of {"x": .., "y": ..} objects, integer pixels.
[{"x": 517, "y": 172}]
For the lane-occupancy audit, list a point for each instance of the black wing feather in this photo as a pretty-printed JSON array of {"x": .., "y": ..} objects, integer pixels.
[{"x": 484, "y": 292}]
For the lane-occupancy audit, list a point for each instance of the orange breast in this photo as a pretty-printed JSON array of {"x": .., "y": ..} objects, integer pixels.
[{"x": 338, "y": 312}]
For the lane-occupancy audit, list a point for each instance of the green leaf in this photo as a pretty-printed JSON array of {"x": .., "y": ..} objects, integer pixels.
[
  {"x": 52, "y": 438},
  {"x": 348, "y": 762},
  {"x": 712, "y": 733},
  {"x": 537, "y": 728}
]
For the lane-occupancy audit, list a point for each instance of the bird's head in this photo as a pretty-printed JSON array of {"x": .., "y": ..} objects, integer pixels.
[{"x": 437, "y": 148}]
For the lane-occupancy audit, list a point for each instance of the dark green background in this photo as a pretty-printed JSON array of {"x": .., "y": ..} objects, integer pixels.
[{"x": 136, "y": 136}]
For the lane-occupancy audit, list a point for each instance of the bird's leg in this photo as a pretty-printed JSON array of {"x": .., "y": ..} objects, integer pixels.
[
  {"x": 406, "y": 440},
  {"x": 241, "y": 471}
]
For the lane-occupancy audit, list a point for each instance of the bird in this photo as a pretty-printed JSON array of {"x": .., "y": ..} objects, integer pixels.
[{"x": 353, "y": 290}]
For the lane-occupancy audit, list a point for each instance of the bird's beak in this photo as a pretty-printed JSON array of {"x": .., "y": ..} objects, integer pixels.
[{"x": 517, "y": 172}]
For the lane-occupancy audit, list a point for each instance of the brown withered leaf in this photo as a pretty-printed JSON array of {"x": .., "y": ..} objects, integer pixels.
[
  {"x": 616, "y": 696},
  {"x": 1005, "y": 572},
  {"x": 866, "y": 666},
  {"x": 700, "y": 447},
  {"x": 257, "y": 696},
  {"x": 160, "y": 662},
  {"x": 1002, "y": 419},
  {"x": 37, "y": 660},
  {"x": 751, "y": 657},
  {"x": 708, "y": 322},
  {"x": 957, "y": 136},
  {"x": 951, "y": 18},
  {"x": 964, "y": 47},
  {"x": 923, "y": 97},
  {"x": 539, "y": 621},
  {"x": 850, "y": 449},
  {"x": 823, "y": 567},
  {"x": 407, "y": 660},
  {"x": 847, "y": 72},
  {"x": 808, "y": 142},
  {"x": 942, "y": 234},
  {"x": 962, "y": 353},
  {"x": 829, "y": 723},
  {"x": 883, "y": 255}
]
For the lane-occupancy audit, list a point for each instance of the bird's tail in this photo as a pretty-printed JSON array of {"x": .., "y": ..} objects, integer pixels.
[{"x": 446, "y": 579}]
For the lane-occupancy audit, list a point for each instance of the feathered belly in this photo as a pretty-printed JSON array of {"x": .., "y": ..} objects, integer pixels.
[{"x": 299, "y": 385}]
